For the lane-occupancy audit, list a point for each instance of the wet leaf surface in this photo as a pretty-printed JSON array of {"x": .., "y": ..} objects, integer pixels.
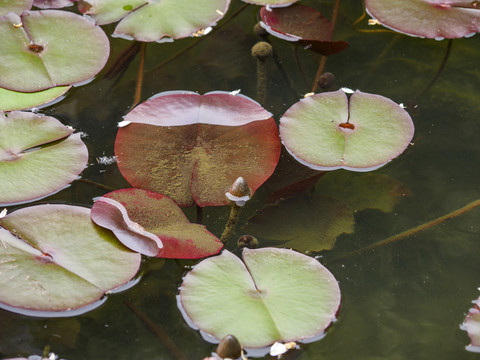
[
  {"x": 317, "y": 223},
  {"x": 286, "y": 295},
  {"x": 38, "y": 156},
  {"x": 154, "y": 225},
  {"x": 431, "y": 19},
  {"x": 192, "y": 147},
  {"x": 155, "y": 20},
  {"x": 328, "y": 131},
  {"x": 53, "y": 258},
  {"x": 42, "y": 49},
  {"x": 302, "y": 24}
]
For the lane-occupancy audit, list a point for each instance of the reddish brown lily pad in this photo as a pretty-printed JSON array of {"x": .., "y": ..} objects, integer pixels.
[
  {"x": 153, "y": 225},
  {"x": 302, "y": 24},
  {"x": 192, "y": 147}
]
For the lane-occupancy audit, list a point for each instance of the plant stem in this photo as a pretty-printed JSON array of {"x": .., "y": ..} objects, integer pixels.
[
  {"x": 412, "y": 231},
  {"x": 232, "y": 221},
  {"x": 261, "y": 82},
  {"x": 439, "y": 71},
  {"x": 141, "y": 65},
  {"x": 159, "y": 333},
  {"x": 98, "y": 185},
  {"x": 323, "y": 60}
]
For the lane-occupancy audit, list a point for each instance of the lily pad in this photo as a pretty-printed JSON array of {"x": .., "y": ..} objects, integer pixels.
[
  {"x": 53, "y": 258},
  {"x": 271, "y": 3},
  {"x": 273, "y": 295},
  {"x": 426, "y": 18},
  {"x": 193, "y": 147},
  {"x": 14, "y": 100},
  {"x": 362, "y": 191},
  {"x": 317, "y": 223},
  {"x": 302, "y": 24},
  {"x": 38, "y": 156},
  {"x": 43, "y": 49},
  {"x": 144, "y": 20},
  {"x": 472, "y": 326},
  {"x": 153, "y": 225},
  {"x": 17, "y": 6},
  {"x": 327, "y": 131},
  {"x": 52, "y": 4}
]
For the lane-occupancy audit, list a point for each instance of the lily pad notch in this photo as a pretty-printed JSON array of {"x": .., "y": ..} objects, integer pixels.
[{"x": 328, "y": 131}]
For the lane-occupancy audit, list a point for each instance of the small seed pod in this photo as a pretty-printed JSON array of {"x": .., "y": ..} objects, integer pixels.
[
  {"x": 229, "y": 347},
  {"x": 259, "y": 30},
  {"x": 239, "y": 192},
  {"x": 326, "y": 81},
  {"x": 247, "y": 241},
  {"x": 262, "y": 50}
]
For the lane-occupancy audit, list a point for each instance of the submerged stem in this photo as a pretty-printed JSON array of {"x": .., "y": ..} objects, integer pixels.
[
  {"x": 232, "y": 221},
  {"x": 414, "y": 230},
  {"x": 159, "y": 333},
  {"x": 138, "y": 87}
]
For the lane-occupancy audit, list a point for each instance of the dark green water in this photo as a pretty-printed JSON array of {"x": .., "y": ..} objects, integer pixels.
[{"x": 402, "y": 301}]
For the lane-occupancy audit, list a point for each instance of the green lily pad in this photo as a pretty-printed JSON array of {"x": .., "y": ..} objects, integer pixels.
[
  {"x": 53, "y": 258},
  {"x": 272, "y": 3},
  {"x": 14, "y": 100},
  {"x": 43, "y": 49},
  {"x": 317, "y": 223},
  {"x": 328, "y": 131},
  {"x": 192, "y": 147},
  {"x": 273, "y": 295},
  {"x": 38, "y": 156},
  {"x": 17, "y": 6},
  {"x": 153, "y": 20}
]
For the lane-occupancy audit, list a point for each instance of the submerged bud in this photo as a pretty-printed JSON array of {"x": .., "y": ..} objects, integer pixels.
[
  {"x": 262, "y": 50},
  {"x": 239, "y": 192},
  {"x": 229, "y": 348},
  {"x": 326, "y": 81},
  {"x": 247, "y": 241},
  {"x": 259, "y": 30}
]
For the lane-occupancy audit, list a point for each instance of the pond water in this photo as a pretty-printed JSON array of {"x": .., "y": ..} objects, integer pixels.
[{"x": 405, "y": 300}]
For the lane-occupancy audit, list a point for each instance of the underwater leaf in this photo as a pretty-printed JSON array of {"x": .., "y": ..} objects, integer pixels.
[
  {"x": 54, "y": 258},
  {"x": 14, "y": 100},
  {"x": 273, "y": 295},
  {"x": 153, "y": 224},
  {"x": 38, "y": 156},
  {"x": 362, "y": 191},
  {"x": 328, "y": 131},
  {"x": 472, "y": 326},
  {"x": 302, "y": 24},
  {"x": 43, "y": 49},
  {"x": 434, "y": 19},
  {"x": 16, "y": 6},
  {"x": 192, "y": 147},
  {"x": 317, "y": 223},
  {"x": 144, "y": 20}
]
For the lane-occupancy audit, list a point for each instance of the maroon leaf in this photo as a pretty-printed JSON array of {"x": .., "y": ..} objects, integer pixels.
[
  {"x": 302, "y": 24},
  {"x": 153, "y": 225},
  {"x": 192, "y": 147}
]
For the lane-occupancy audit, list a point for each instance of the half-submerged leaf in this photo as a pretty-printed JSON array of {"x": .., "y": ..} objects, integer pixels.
[
  {"x": 154, "y": 20},
  {"x": 192, "y": 147},
  {"x": 38, "y": 156},
  {"x": 273, "y": 295},
  {"x": 153, "y": 225},
  {"x": 328, "y": 131},
  {"x": 302, "y": 24},
  {"x": 43, "y": 49},
  {"x": 432, "y": 19},
  {"x": 14, "y": 100},
  {"x": 54, "y": 258}
]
